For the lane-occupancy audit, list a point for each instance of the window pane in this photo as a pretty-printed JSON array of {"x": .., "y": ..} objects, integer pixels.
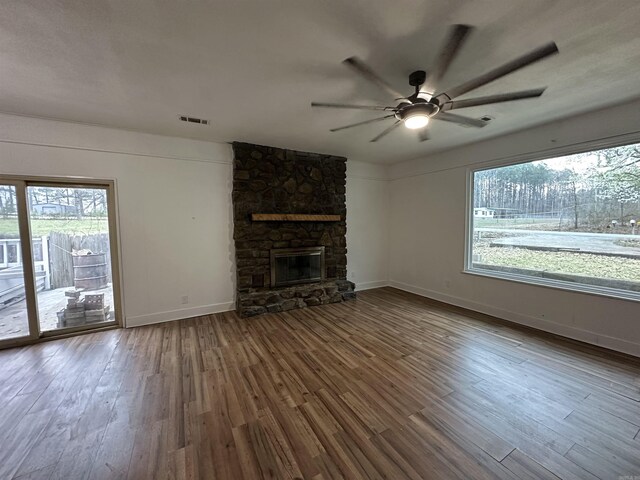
[
  {"x": 14, "y": 322},
  {"x": 571, "y": 219},
  {"x": 70, "y": 233}
]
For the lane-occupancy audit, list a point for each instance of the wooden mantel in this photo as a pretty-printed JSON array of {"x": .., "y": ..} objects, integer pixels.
[{"x": 293, "y": 217}]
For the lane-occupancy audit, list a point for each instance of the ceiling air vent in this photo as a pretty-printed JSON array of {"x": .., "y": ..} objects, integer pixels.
[
  {"x": 484, "y": 118},
  {"x": 199, "y": 121}
]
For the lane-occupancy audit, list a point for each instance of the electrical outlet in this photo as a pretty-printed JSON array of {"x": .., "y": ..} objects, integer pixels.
[
  {"x": 447, "y": 283},
  {"x": 185, "y": 299},
  {"x": 352, "y": 275}
]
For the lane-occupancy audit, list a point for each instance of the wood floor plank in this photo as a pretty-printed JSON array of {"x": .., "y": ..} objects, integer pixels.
[
  {"x": 599, "y": 465},
  {"x": 78, "y": 456},
  {"x": 617, "y": 405},
  {"x": 451, "y": 447},
  {"x": 526, "y": 468},
  {"x": 390, "y": 385},
  {"x": 597, "y": 436},
  {"x": 113, "y": 457},
  {"x": 20, "y": 439},
  {"x": 409, "y": 446},
  {"x": 451, "y": 419},
  {"x": 71, "y": 419},
  {"x": 603, "y": 421},
  {"x": 513, "y": 425}
]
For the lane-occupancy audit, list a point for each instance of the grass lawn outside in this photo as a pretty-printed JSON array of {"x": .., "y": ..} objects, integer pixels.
[
  {"x": 524, "y": 223},
  {"x": 598, "y": 266},
  {"x": 44, "y": 226},
  {"x": 549, "y": 225}
]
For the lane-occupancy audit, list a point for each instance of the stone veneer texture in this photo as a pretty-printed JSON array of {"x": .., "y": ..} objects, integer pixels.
[{"x": 275, "y": 180}]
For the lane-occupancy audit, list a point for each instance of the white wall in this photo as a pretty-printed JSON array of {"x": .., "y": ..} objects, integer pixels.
[
  {"x": 174, "y": 207},
  {"x": 427, "y": 228},
  {"x": 367, "y": 218}
]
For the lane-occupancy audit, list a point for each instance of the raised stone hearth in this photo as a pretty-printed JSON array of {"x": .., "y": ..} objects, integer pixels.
[
  {"x": 269, "y": 180},
  {"x": 299, "y": 296}
]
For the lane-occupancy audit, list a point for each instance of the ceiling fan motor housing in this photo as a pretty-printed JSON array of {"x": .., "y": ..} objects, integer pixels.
[
  {"x": 417, "y": 78},
  {"x": 407, "y": 110}
]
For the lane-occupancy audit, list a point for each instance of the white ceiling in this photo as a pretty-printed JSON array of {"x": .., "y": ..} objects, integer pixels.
[{"x": 253, "y": 67}]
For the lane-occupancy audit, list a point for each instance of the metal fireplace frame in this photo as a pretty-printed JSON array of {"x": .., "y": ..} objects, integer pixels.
[{"x": 290, "y": 252}]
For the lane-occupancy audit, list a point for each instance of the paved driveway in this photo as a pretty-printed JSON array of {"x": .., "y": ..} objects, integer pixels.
[{"x": 599, "y": 243}]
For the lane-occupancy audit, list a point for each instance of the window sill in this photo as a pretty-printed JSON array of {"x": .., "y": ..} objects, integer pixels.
[{"x": 555, "y": 283}]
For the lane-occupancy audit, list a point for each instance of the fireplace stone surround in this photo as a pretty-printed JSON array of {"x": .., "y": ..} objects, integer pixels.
[{"x": 278, "y": 181}]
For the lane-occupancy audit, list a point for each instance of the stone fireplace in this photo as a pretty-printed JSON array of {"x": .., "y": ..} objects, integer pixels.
[{"x": 289, "y": 229}]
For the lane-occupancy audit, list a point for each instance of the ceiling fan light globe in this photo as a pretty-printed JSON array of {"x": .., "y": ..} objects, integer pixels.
[{"x": 414, "y": 122}]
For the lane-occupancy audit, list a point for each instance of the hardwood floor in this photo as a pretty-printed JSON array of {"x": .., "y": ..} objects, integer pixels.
[{"x": 388, "y": 386}]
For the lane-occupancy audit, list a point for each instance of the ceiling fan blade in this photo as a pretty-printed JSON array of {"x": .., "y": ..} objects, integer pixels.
[
  {"x": 354, "y": 107},
  {"x": 386, "y": 131},
  {"x": 450, "y": 117},
  {"x": 489, "y": 99},
  {"x": 490, "y": 76},
  {"x": 362, "y": 123},
  {"x": 360, "y": 67},
  {"x": 450, "y": 49},
  {"x": 423, "y": 134}
]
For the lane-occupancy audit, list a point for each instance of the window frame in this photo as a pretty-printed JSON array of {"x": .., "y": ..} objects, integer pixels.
[{"x": 554, "y": 152}]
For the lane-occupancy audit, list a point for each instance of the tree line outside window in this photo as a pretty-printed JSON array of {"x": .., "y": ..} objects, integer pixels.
[
  {"x": 78, "y": 203},
  {"x": 585, "y": 191}
]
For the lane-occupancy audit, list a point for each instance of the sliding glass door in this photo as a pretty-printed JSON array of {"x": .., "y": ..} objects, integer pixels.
[{"x": 57, "y": 258}]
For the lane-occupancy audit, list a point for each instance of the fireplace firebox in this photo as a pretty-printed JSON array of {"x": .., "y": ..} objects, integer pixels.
[{"x": 292, "y": 266}]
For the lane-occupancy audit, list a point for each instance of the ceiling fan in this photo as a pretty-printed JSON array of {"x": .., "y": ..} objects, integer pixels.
[{"x": 426, "y": 103}]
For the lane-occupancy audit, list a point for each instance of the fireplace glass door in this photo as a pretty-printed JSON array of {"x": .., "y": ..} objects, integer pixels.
[{"x": 292, "y": 266}]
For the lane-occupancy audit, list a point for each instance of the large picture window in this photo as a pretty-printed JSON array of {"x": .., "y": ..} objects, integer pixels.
[{"x": 571, "y": 221}]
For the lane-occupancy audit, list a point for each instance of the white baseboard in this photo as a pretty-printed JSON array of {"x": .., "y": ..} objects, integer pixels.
[
  {"x": 369, "y": 285},
  {"x": 593, "y": 338},
  {"x": 179, "y": 314}
]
